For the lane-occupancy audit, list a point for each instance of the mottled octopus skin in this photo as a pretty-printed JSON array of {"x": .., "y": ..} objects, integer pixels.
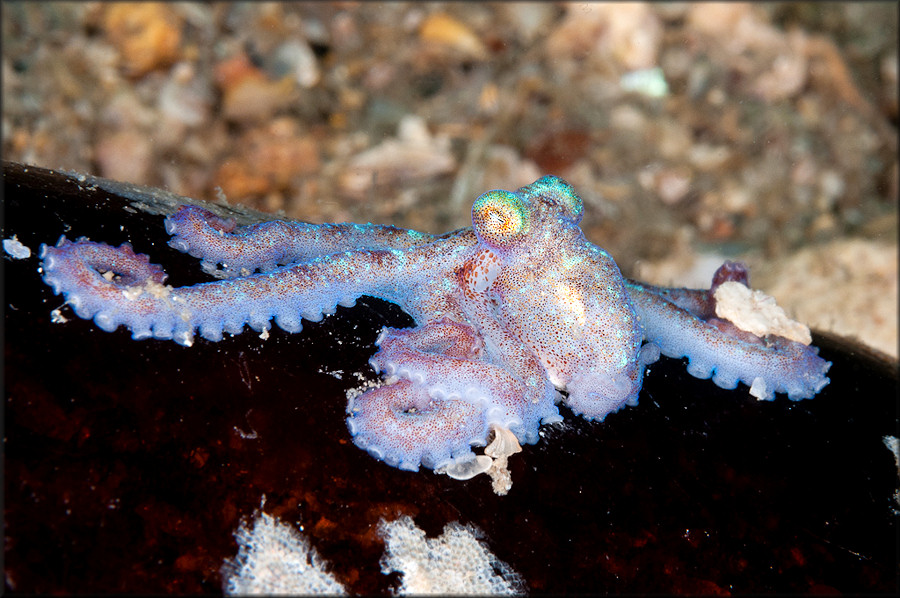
[{"x": 508, "y": 313}]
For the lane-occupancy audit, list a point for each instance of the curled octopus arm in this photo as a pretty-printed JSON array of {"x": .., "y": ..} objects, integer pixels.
[{"x": 440, "y": 399}]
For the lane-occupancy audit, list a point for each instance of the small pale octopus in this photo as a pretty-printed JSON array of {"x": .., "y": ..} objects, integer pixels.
[{"x": 513, "y": 316}]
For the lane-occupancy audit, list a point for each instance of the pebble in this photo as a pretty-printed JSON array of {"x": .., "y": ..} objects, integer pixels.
[
  {"x": 414, "y": 155},
  {"x": 268, "y": 159},
  {"x": 248, "y": 95},
  {"x": 443, "y": 30},
  {"x": 147, "y": 35},
  {"x": 628, "y": 33},
  {"x": 125, "y": 156}
]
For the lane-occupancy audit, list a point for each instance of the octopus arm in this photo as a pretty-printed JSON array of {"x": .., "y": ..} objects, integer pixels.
[
  {"x": 695, "y": 301},
  {"x": 700, "y": 302},
  {"x": 115, "y": 286},
  {"x": 508, "y": 400},
  {"x": 446, "y": 399},
  {"x": 230, "y": 250},
  {"x": 402, "y": 425},
  {"x": 717, "y": 349}
]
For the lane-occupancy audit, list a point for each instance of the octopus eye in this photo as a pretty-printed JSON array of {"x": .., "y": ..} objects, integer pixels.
[
  {"x": 558, "y": 192},
  {"x": 499, "y": 217}
]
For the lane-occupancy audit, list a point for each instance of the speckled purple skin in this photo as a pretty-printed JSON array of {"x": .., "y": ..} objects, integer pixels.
[{"x": 508, "y": 313}]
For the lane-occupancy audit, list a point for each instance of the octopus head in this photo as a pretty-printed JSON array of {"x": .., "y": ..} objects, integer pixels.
[{"x": 560, "y": 294}]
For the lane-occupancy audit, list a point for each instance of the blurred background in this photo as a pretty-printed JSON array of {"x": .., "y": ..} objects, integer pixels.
[{"x": 694, "y": 132}]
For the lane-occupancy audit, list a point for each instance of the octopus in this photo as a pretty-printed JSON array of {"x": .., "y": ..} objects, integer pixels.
[{"x": 514, "y": 316}]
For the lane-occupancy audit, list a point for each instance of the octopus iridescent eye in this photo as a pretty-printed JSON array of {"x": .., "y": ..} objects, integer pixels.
[
  {"x": 554, "y": 189},
  {"x": 499, "y": 217}
]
